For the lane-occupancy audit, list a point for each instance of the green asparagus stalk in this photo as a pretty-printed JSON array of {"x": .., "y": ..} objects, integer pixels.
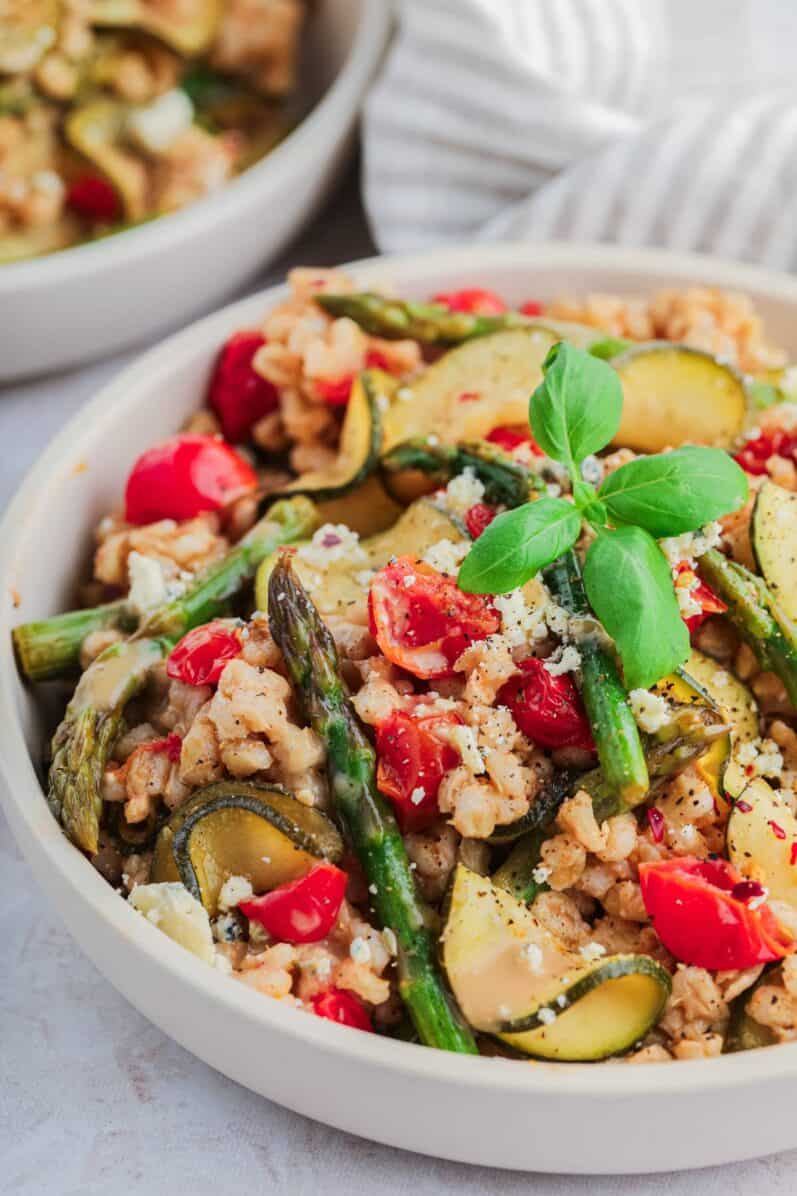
[
  {"x": 428, "y": 323},
  {"x": 93, "y": 718},
  {"x": 311, "y": 659},
  {"x": 50, "y": 648},
  {"x": 516, "y": 874},
  {"x": 755, "y": 615},
  {"x": 620, "y": 752},
  {"x": 505, "y": 481}
]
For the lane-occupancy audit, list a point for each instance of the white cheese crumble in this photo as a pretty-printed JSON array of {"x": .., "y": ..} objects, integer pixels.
[
  {"x": 520, "y": 622},
  {"x": 171, "y": 908},
  {"x": 691, "y": 545},
  {"x": 147, "y": 582},
  {"x": 332, "y": 542},
  {"x": 592, "y": 470},
  {"x": 390, "y": 941},
  {"x": 463, "y": 739},
  {"x": 568, "y": 660},
  {"x": 462, "y": 492},
  {"x": 445, "y": 556},
  {"x": 760, "y": 758},
  {"x": 547, "y": 1016},
  {"x": 226, "y": 928},
  {"x": 540, "y": 874},
  {"x": 651, "y": 711},
  {"x": 223, "y": 964},
  {"x": 359, "y": 950},
  {"x": 591, "y": 951},
  {"x": 155, "y": 127},
  {"x": 532, "y": 956},
  {"x": 234, "y": 890},
  {"x": 417, "y": 795}
]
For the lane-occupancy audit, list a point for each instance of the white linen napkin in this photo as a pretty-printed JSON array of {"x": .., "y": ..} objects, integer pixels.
[{"x": 641, "y": 122}]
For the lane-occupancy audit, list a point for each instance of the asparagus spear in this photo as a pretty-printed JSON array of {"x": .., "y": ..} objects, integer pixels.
[
  {"x": 93, "y": 718},
  {"x": 429, "y": 323},
  {"x": 755, "y": 615},
  {"x": 517, "y": 871},
  {"x": 505, "y": 481},
  {"x": 50, "y": 648},
  {"x": 311, "y": 659},
  {"x": 614, "y": 729}
]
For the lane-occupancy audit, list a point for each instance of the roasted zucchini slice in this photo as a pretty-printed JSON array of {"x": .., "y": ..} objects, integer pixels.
[
  {"x": 241, "y": 828},
  {"x": 761, "y": 838},
  {"x": 28, "y": 29},
  {"x": 341, "y": 584},
  {"x": 739, "y": 710},
  {"x": 513, "y": 979},
  {"x": 674, "y": 395},
  {"x": 774, "y": 539},
  {"x": 744, "y": 1034},
  {"x": 189, "y": 29},
  {"x": 96, "y": 131},
  {"x": 472, "y": 388},
  {"x": 33, "y": 242}
]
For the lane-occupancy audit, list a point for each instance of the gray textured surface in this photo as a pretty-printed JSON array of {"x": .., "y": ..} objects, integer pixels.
[{"x": 94, "y": 1100}]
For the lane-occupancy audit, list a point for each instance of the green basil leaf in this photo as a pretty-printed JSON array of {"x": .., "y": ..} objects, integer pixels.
[
  {"x": 609, "y": 346},
  {"x": 675, "y": 492},
  {"x": 517, "y": 544},
  {"x": 576, "y": 409},
  {"x": 629, "y": 586}
]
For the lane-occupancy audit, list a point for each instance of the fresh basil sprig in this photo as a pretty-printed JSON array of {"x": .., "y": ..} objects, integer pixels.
[{"x": 575, "y": 412}]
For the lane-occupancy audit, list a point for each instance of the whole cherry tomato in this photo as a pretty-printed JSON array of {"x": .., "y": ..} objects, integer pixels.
[
  {"x": 183, "y": 477},
  {"x": 422, "y": 621},
  {"x": 200, "y": 656},
  {"x": 757, "y": 451},
  {"x": 93, "y": 198},
  {"x": 473, "y": 300},
  {"x": 413, "y": 757},
  {"x": 238, "y": 395},
  {"x": 707, "y": 914},
  {"x": 478, "y": 518},
  {"x": 303, "y": 910},
  {"x": 709, "y": 602},
  {"x": 342, "y": 1007},
  {"x": 508, "y": 437},
  {"x": 546, "y": 708}
]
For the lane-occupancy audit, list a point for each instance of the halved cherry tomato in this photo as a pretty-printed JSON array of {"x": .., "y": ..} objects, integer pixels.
[
  {"x": 710, "y": 603},
  {"x": 342, "y": 1007},
  {"x": 473, "y": 300},
  {"x": 757, "y": 451},
  {"x": 422, "y": 621},
  {"x": 532, "y": 307},
  {"x": 238, "y": 395},
  {"x": 183, "y": 477},
  {"x": 546, "y": 708},
  {"x": 200, "y": 656},
  {"x": 707, "y": 914},
  {"x": 478, "y": 518},
  {"x": 303, "y": 910},
  {"x": 510, "y": 436},
  {"x": 413, "y": 758},
  {"x": 93, "y": 198}
]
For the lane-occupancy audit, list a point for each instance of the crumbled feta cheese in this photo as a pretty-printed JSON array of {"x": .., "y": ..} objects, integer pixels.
[
  {"x": 155, "y": 127},
  {"x": 178, "y": 914},
  {"x": 687, "y": 603},
  {"x": 226, "y": 928},
  {"x": 223, "y": 964},
  {"x": 365, "y": 577},
  {"x": 568, "y": 660},
  {"x": 390, "y": 941},
  {"x": 154, "y": 916},
  {"x": 359, "y": 950},
  {"x": 409, "y": 581},
  {"x": 547, "y": 1016},
  {"x": 553, "y": 489},
  {"x": 147, "y": 583},
  {"x": 463, "y": 739},
  {"x": 332, "y": 542},
  {"x": 532, "y": 956},
  {"x": 592, "y": 951},
  {"x": 520, "y": 622},
  {"x": 540, "y": 874},
  {"x": 691, "y": 545},
  {"x": 445, "y": 556},
  {"x": 373, "y": 889},
  {"x": 592, "y": 470},
  {"x": 462, "y": 492},
  {"x": 760, "y": 758},
  {"x": 558, "y": 620},
  {"x": 561, "y": 1001},
  {"x": 417, "y": 795},
  {"x": 234, "y": 890},
  {"x": 49, "y": 182},
  {"x": 651, "y": 711},
  {"x": 504, "y": 1012},
  {"x": 404, "y": 394}
]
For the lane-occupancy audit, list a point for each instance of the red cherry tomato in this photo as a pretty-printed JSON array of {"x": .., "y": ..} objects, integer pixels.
[
  {"x": 303, "y": 910},
  {"x": 184, "y": 476},
  {"x": 478, "y": 518},
  {"x": 510, "y": 436},
  {"x": 546, "y": 708},
  {"x": 342, "y": 1007},
  {"x": 531, "y": 308},
  {"x": 200, "y": 656},
  {"x": 708, "y": 915},
  {"x": 757, "y": 451},
  {"x": 473, "y": 300},
  {"x": 422, "y": 621},
  {"x": 335, "y": 391},
  {"x": 238, "y": 395},
  {"x": 93, "y": 198},
  {"x": 413, "y": 758},
  {"x": 709, "y": 602}
]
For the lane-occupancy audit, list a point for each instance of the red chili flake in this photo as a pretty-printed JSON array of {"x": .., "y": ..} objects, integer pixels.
[
  {"x": 531, "y": 308},
  {"x": 744, "y": 806},
  {"x": 172, "y": 745},
  {"x": 478, "y": 517},
  {"x": 793, "y": 853},
  {"x": 748, "y": 890},
  {"x": 656, "y": 822},
  {"x": 777, "y": 830},
  {"x": 468, "y": 396}
]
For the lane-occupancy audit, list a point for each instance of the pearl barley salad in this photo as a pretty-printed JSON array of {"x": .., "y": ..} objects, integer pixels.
[
  {"x": 113, "y": 112},
  {"x": 439, "y": 678}
]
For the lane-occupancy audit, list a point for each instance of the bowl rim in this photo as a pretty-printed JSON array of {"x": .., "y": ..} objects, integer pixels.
[
  {"x": 22, "y": 791},
  {"x": 211, "y": 211}
]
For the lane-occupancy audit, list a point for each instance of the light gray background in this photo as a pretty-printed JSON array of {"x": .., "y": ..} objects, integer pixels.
[{"x": 94, "y": 1100}]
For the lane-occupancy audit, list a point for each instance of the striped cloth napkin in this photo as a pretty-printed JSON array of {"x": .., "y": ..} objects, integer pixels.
[{"x": 640, "y": 122}]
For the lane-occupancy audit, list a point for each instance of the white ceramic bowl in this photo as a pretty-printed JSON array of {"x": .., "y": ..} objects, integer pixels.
[
  {"x": 540, "y": 1116},
  {"x": 85, "y": 302}
]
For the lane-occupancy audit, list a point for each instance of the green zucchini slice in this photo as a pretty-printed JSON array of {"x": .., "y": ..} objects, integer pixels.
[
  {"x": 674, "y": 395},
  {"x": 472, "y": 388},
  {"x": 240, "y": 828},
  {"x": 96, "y": 131},
  {"x": 28, "y": 29},
  {"x": 188, "y": 32},
  {"x": 344, "y": 583},
  {"x": 745, "y": 1034},
  {"x": 739, "y": 710},
  {"x": 774, "y": 539},
  {"x": 513, "y": 979},
  {"x": 754, "y": 841}
]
